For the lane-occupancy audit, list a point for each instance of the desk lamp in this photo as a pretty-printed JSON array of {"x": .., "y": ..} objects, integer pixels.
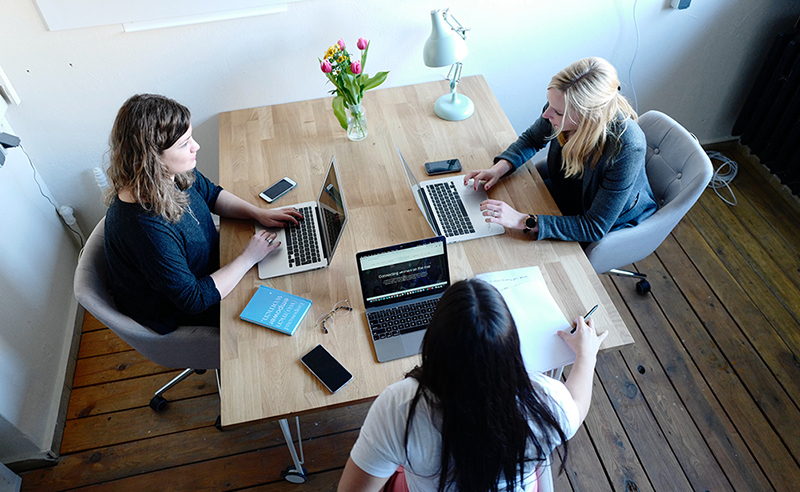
[{"x": 448, "y": 46}]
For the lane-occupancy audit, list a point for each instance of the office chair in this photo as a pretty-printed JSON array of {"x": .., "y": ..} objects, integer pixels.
[
  {"x": 195, "y": 347},
  {"x": 678, "y": 170}
]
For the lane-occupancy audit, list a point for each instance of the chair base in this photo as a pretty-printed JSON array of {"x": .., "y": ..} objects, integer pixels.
[
  {"x": 158, "y": 403},
  {"x": 642, "y": 286}
]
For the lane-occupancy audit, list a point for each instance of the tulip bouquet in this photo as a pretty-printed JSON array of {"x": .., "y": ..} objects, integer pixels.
[{"x": 348, "y": 78}]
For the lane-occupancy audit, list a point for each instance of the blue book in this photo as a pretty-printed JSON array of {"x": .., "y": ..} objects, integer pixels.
[{"x": 275, "y": 309}]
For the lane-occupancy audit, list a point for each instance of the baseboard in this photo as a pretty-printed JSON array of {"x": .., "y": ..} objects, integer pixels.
[
  {"x": 722, "y": 145},
  {"x": 69, "y": 378}
]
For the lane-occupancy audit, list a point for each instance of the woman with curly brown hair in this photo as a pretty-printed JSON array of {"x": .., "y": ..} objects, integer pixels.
[{"x": 161, "y": 243}]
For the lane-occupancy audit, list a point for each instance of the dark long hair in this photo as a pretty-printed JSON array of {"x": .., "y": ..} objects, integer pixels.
[
  {"x": 147, "y": 125},
  {"x": 473, "y": 375}
]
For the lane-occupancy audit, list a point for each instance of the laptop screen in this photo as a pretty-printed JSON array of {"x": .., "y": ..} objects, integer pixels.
[
  {"x": 419, "y": 196},
  {"x": 403, "y": 272},
  {"x": 332, "y": 210}
]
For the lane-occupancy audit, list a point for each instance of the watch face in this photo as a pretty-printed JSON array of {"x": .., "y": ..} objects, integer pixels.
[{"x": 531, "y": 222}]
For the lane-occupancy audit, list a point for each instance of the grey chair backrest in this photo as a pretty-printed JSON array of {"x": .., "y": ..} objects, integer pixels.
[
  {"x": 195, "y": 347},
  {"x": 678, "y": 170}
]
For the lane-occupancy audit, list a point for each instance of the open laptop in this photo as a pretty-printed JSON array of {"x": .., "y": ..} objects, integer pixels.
[
  {"x": 311, "y": 244},
  {"x": 401, "y": 286},
  {"x": 452, "y": 209}
]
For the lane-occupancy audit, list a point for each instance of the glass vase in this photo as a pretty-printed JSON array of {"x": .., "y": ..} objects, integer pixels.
[{"x": 356, "y": 122}]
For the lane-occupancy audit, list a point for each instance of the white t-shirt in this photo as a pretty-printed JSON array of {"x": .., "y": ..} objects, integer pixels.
[{"x": 380, "y": 447}]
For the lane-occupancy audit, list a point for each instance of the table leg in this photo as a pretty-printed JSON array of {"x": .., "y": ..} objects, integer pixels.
[{"x": 296, "y": 473}]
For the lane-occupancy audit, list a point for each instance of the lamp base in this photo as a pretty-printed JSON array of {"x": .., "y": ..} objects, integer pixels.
[{"x": 454, "y": 107}]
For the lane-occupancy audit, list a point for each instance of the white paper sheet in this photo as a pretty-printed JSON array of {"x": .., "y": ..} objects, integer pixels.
[{"x": 537, "y": 316}]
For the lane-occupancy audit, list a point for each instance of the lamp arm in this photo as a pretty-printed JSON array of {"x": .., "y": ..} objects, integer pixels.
[
  {"x": 458, "y": 28},
  {"x": 455, "y": 69}
]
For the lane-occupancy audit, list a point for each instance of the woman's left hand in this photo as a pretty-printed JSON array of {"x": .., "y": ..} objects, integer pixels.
[
  {"x": 501, "y": 213},
  {"x": 280, "y": 217}
]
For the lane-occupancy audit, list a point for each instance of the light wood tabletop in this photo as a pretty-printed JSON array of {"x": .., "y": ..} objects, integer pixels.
[{"x": 261, "y": 375}]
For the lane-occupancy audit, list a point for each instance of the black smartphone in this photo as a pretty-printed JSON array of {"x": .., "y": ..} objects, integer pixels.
[
  {"x": 443, "y": 167},
  {"x": 326, "y": 368},
  {"x": 277, "y": 190}
]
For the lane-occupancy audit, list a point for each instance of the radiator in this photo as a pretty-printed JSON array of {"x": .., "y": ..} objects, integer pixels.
[{"x": 769, "y": 122}]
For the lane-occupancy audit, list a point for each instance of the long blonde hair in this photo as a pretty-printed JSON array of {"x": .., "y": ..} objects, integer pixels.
[
  {"x": 591, "y": 90},
  {"x": 147, "y": 125}
]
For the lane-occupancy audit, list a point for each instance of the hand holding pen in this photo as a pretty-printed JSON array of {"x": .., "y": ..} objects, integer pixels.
[
  {"x": 586, "y": 317},
  {"x": 582, "y": 339}
]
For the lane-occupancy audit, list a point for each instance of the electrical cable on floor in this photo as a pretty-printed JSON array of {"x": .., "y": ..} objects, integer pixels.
[
  {"x": 723, "y": 175},
  {"x": 80, "y": 236},
  {"x": 630, "y": 69}
]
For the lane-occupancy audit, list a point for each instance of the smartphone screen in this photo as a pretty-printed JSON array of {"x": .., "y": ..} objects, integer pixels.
[
  {"x": 442, "y": 167},
  {"x": 326, "y": 368},
  {"x": 277, "y": 190}
]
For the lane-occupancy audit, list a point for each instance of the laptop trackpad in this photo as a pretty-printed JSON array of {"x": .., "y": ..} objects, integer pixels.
[
  {"x": 412, "y": 342},
  {"x": 389, "y": 349}
]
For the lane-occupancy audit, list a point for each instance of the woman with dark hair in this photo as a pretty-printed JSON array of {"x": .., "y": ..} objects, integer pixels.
[
  {"x": 161, "y": 243},
  {"x": 471, "y": 418},
  {"x": 595, "y": 163}
]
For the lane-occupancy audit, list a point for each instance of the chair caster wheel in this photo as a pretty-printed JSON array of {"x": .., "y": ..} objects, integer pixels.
[
  {"x": 642, "y": 287},
  {"x": 218, "y": 423},
  {"x": 158, "y": 403},
  {"x": 199, "y": 371},
  {"x": 293, "y": 476}
]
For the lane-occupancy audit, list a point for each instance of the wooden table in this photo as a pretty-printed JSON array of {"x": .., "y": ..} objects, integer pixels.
[{"x": 262, "y": 376}]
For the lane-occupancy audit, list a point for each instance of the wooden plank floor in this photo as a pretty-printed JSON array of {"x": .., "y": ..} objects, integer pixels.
[{"x": 706, "y": 400}]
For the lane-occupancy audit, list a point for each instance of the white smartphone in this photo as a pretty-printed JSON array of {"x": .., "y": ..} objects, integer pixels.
[
  {"x": 326, "y": 368},
  {"x": 277, "y": 190}
]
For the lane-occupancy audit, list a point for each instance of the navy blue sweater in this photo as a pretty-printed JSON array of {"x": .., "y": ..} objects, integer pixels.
[
  {"x": 615, "y": 193},
  {"x": 160, "y": 271}
]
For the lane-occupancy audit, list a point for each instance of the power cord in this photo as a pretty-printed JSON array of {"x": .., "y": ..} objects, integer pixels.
[
  {"x": 636, "y": 52},
  {"x": 723, "y": 175},
  {"x": 41, "y": 191}
]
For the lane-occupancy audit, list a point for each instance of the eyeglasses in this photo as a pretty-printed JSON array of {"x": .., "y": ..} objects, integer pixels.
[{"x": 342, "y": 308}]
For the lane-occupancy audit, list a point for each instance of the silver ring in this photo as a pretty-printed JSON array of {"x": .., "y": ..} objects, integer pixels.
[
  {"x": 494, "y": 213},
  {"x": 269, "y": 241}
]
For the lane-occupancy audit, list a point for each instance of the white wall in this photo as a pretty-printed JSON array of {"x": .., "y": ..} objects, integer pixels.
[
  {"x": 37, "y": 261},
  {"x": 696, "y": 65}
]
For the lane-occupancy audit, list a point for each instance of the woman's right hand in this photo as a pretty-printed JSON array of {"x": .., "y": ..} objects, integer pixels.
[
  {"x": 490, "y": 176},
  {"x": 584, "y": 341},
  {"x": 260, "y": 245}
]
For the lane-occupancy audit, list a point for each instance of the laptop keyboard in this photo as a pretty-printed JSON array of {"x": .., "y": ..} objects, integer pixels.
[
  {"x": 452, "y": 214},
  {"x": 301, "y": 240},
  {"x": 396, "y": 321}
]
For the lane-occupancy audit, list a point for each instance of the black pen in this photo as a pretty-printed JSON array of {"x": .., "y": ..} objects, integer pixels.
[{"x": 586, "y": 318}]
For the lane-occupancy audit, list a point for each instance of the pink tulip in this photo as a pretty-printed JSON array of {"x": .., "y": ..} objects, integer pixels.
[
  {"x": 362, "y": 44},
  {"x": 341, "y": 43},
  {"x": 326, "y": 66},
  {"x": 355, "y": 67}
]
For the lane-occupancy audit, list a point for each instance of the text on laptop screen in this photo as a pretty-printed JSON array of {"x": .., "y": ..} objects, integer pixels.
[
  {"x": 331, "y": 209},
  {"x": 405, "y": 272}
]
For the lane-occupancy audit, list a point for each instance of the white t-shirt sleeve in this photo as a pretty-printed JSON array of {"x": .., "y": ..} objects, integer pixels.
[
  {"x": 566, "y": 409},
  {"x": 380, "y": 446}
]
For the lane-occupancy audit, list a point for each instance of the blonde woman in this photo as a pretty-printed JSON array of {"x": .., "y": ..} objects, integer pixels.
[
  {"x": 161, "y": 244},
  {"x": 595, "y": 164}
]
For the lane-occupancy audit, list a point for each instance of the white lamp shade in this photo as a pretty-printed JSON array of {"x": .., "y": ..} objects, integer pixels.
[{"x": 444, "y": 46}]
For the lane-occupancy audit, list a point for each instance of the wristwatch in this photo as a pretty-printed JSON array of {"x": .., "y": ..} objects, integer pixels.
[{"x": 531, "y": 222}]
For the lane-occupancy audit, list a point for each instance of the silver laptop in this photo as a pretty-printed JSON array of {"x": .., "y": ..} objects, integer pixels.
[
  {"x": 311, "y": 244},
  {"x": 401, "y": 286},
  {"x": 452, "y": 209}
]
